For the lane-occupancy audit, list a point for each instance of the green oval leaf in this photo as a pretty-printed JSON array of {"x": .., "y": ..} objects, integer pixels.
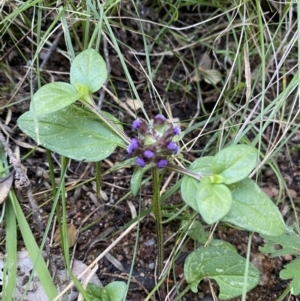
[
  {"x": 53, "y": 97},
  {"x": 88, "y": 70},
  {"x": 234, "y": 163},
  {"x": 223, "y": 265},
  {"x": 114, "y": 291},
  {"x": 203, "y": 165},
  {"x": 189, "y": 185},
  {"x": 189, "y": 188},
  {"x": 212, "y": 201},
  {"x": 253, "y": 210},
  {"x": 73, "y": 132},
  {"x": 93, "y": 291}
]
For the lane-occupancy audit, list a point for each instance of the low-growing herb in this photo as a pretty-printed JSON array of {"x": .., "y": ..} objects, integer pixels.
[{"x": 64, "y": 118}]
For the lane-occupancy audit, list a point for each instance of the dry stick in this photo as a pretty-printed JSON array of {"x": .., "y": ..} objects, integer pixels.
[
  {"x": 21, "y": 178},
  {"x": 87, "y": 280},
  {"x": 97, "y": 259},
  {"x": 123, "y": 105},
  {"x": 22, "y": 181}
]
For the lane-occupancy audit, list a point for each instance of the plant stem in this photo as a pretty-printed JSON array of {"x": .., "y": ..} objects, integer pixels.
[
  {"x": 158, "y": 218},
  {"x": 182, "y": 293},
  {"x": 185, "y": 171},
  {"x": 98, "y": 178}
]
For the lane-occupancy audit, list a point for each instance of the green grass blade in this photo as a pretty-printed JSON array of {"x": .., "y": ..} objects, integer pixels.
[
  {"x": 10, "y": 267},
  {"x": 33, "y": 250}
]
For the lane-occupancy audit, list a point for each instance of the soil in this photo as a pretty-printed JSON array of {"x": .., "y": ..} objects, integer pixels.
[{"x": 100, "y": 220}]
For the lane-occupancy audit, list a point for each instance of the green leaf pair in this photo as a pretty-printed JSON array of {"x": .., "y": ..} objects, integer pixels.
[
  {"x": 226, "y": 193},
  {"x": 87, "y": 75},
  {"x": 55, "y": 122}
]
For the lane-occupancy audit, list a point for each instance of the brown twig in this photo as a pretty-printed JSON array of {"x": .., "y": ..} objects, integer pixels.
[{"x": 22, "y": 182}]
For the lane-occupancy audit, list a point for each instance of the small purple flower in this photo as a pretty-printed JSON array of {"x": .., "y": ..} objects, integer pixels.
[
  {"x": 136, "y": 124},
  {"x": 172, "y": 146},
  {"x": 148, "y": 154},
  {"x": 162, "y": 163},
  {"x": 140, "y": 162},
  {"x": 133, "y": 145},
  {"x": 160, "y": 117},
  {"x": 176, "y": 130}
]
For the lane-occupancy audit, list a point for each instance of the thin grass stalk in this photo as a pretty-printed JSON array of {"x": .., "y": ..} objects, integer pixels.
[
  {"x": 64, "y": 230},
  {"x": 263, "y": 67},
  {"x": 183, "y": 293},
  {"x": 244, "y": 295},
  {"x": 124, "y": 66},
  {"x": 34, "y": 251},
  {"x": 10, "y": 267},
  {"x": 51, "y": 171},
  {"x": 135, "y": 251},
  {"x": 109, "y": 123}
]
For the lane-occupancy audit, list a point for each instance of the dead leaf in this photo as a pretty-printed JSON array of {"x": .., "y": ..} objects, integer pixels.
[
  {"x": 5, "y": 185},
  {"x": 72, "y": 234},
  {"x": 134, "y": 104},
  {"x": 206, "y": 72},
  {"x": 212, "y": 76},
  {"x": 205, "y": 61},
  {"x": 272, "y": 192}
]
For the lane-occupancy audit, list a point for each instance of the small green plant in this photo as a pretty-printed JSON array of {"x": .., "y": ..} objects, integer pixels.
[
  {"x": 76, "y": 132},
  {"x": 217, "y": 187},
  {"x": 114, "y": 291},
  {"x": 289, "y": 243}
]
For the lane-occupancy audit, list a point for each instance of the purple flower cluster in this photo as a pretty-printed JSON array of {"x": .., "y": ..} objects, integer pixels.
[{"x": 154, "y": 141}]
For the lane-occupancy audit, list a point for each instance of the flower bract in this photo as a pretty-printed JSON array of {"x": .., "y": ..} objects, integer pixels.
[
  {"x": 162, "y": 163},
  {"x": 140, "y": 162},
  {"x": 132, "y": 146},
  {"x": 172, "y": 146},
  {"x": 136, "y": 124}
]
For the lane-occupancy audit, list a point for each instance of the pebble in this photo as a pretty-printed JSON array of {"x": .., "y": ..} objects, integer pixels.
[{"x": 149, "y": 242}]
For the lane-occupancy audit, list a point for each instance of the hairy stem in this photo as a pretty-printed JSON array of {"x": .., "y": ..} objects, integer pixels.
[{"x": 158, "y": 219}]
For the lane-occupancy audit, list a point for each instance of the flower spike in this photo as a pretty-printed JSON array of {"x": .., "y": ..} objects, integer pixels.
[{"x": 153, "y": 143}]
